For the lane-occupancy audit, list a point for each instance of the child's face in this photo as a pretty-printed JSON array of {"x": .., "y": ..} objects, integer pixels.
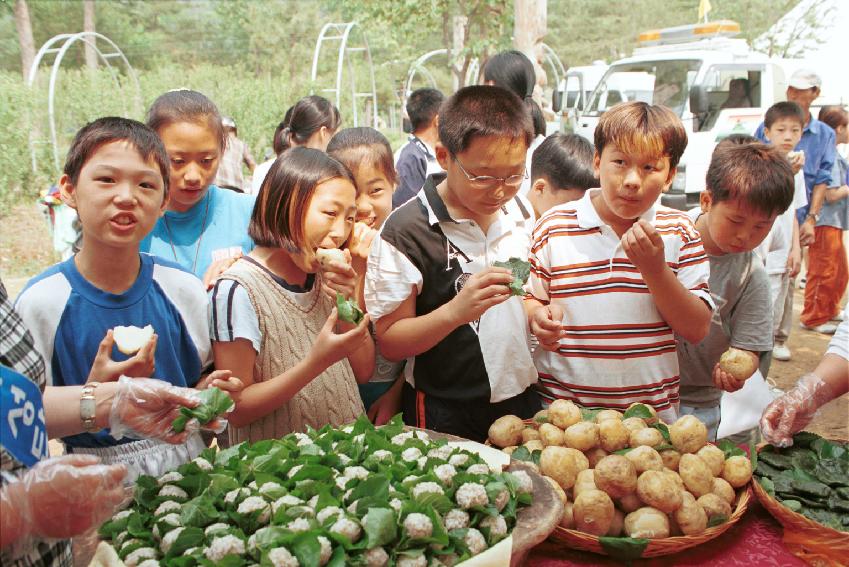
[
  {"x": 194, "y": 151},
  {"x": 733, "y": 226},
  {"x": 544, "y": 196},
  {"x": 374, "y": 195},
  {"x": 630, "y": 183},
  {"x": 493, "y": 156},
  {"x": 329, "y": 218},
  {"x": 119, "y": 195},
  {"x": 784, "y": 134}
]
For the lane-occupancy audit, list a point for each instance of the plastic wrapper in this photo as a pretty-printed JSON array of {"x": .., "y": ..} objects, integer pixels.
[{"x": 791, "y": 412}]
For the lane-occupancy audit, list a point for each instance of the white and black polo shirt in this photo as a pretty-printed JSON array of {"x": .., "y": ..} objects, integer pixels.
[{"x": 422, "y": 249}]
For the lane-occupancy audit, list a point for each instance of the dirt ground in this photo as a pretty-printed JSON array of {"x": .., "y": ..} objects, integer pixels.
[{"x": 25, "y": 250}]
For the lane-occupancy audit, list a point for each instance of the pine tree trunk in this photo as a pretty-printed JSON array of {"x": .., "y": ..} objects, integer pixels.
[
  {"x": 89, "y": 26},
  {"x": 24, "y": 27}
]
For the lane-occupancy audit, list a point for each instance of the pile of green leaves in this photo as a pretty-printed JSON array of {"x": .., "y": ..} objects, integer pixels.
[
  {"x": 521, "y": 271},
  {"x": 348, "y": 310},
  {"x": 213, "y": 402},
  {"x": 218, "y": 481},
  {"x": 811, "y": 477}
]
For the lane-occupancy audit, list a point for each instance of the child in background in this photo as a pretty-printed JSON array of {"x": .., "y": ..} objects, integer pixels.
[
  {"x": 116, "y": 178},
  {"x": 309, "y": 123},
  {"x": 748, "y": 187},
  {"x": 781, "y": 250},
  {"x": 561, "y": 171},
  {"x": 827, "y": 269},
  {"x": 205, "y": 227},
  {"x": 368, "y": 155},
  {"x": 417, "y": 159},
  {"x": 430, "y": 285},
  {"x": 615, "y": 275},
  {"x": 272, "y": 318},
  {"x": 236, "y": 153}
]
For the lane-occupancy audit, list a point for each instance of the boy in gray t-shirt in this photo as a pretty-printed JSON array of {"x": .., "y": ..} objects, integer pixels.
[{"x": 748, "y": 186}]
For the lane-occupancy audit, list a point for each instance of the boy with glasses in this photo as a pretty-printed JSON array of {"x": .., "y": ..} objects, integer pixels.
[{"x": 430, "y": 286}]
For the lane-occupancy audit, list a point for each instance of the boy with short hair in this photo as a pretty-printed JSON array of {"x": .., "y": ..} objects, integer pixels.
[
  {"x": 429, "y": 286},
  {"x": 561, "y": 171},
  {"x": 417, "y": 159},
  {"x": 748, "y": 187},
  {"x": 116, "y": 177},
  {"x": 615, "y": 275},
  {"x": 781, "y": 250}
]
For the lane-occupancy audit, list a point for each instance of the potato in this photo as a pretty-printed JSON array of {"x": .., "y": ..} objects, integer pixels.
[
  {"x": 675, "y": 478},
  {"x": 633, "y": 424},
  {"x": 534, "y": 445},
  {"x": 695, "y": 474},
  {"x": 580, "y": 460},
  {"x": 541, "y": 416},
  {"x": 739, "y": 363},
  {"x": 618, "y": 524},
  {"x": 593, "y": 511},
  {"x": 724, "y": 490},
  {"x": 530, "y": 434},
  {"x": 616, "y": 476},
  {"x": 737, "y": 471},
  {"x": 713, "y": 457},
  {"x": 688, "y": 434},
  {"x": 550, "y": 434},
  {"x": 670, "y": 459},
  {"x": 568, "y": 519},
  {"x": 714, "y": 506},
  {"x": 657, "y": 490},
  {"x": 506, "y": 431},
  {"x": 647, "y": 523},
  {"x": 585, "y": 481},
  {"x": 690, "y": 517},
  {"x": 613, "y": 435},
  {"x": 563, "y": 413},
  {"x": 509, "y": 450},
  {"x": 582, "y": 436},
  {"x": 645, "y": 458},
  {"x": 674, "y": 529},
  {"x": 559, "y": 464},
  {"x": 560, "y": 492},
  {"x": 648, "y": 436},
  {"x": 594, "y": 455},
  {"x": 607, "y": 414},
  {"x": 629, "y": 503}
]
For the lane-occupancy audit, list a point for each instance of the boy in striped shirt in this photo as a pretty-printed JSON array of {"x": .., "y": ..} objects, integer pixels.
[{"x": 615, "y": 276}]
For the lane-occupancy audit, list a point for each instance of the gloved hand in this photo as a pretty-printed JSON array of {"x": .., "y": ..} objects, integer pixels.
[
  {"x": 144, "y": 408},
  {"x": 58, "y": 498},
  {"x": 791, "y": 412}
]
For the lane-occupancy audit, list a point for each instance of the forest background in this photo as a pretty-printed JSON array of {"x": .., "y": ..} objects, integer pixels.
[{"x": 253, "y": 57}]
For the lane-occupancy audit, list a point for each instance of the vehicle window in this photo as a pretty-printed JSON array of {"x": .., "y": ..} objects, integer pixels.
[
  {"x": 656, "y": 82},
  {"x": 730, "y": 88}
]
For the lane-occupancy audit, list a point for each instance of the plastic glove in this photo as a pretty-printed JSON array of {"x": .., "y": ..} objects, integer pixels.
[
  {"x": 58, "y": 498},
  {"x": 791, "y": 412},
  {"x": 143, "y": 408}
]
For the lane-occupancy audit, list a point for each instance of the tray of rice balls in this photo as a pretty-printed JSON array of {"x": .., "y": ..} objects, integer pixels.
[
  {"x": 806, "y": 488},
  {"x": 632, "y": 486},
  {"x": 358, "y": 495}
]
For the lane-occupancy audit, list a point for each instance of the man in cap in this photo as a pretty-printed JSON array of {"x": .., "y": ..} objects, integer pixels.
[{"x": 229, "y": 174}]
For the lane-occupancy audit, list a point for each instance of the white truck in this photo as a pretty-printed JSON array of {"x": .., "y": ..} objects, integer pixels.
[{"x": 713, "y": 81}]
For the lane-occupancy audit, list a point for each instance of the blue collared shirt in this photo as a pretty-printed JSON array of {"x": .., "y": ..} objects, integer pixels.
[{"x": 818, "y": 144}]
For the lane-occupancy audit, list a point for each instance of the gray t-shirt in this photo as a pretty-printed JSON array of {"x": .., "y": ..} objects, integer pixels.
[{"x": 739, "y": 286}]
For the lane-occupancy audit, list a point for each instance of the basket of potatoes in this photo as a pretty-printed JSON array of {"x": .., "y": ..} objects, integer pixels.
[{"x": 632, "y": 485}]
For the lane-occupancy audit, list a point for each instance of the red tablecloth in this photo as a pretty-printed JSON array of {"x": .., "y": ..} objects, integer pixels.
[{"x": 755, "y": 541}]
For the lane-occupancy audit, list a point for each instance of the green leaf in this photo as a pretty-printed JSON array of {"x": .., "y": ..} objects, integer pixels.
[
  {"x": 639, "y": 410},
  {"x": 589, "y": 414},
  {"x": 753, "y": 455},
  {"x": 805, "y": 439},
  {"x": 199, "y": 511},
  {"x": 375, "y": 486},
  {"x": 623, "y": 548},
  {"x": 730, "y": 449},
  {"x": 717, "y": 520},
  {"x": 767, "y": 485},
  {"x": 348, "y": 310},
  {"x": 542, "y": 419},
  {"x": 380, "y": 526},
  {"x": 521, "y": 454},
  {"x": 308, "y": 550},
  {"x": 521, "y": 271},
  {"x": 794, "y": 505},
  {"x": 146, "y": 490},
  {"x": 188, "y": 538},
  {"x": 664, "y": 430},
  {"x": 213, "y": 402}
]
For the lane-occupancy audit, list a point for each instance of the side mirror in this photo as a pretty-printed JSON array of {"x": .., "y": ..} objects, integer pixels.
[
  {"x": 557, "y": 100},
  {"x": 698, "y": 100}
]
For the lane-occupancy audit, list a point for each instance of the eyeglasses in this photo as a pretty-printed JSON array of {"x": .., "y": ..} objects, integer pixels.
[{"x": 489, "y": 182}]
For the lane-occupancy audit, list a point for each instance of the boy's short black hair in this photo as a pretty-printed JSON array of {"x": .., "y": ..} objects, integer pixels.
[
  {"x": 784, "y": 109},
  {"x": 422, "y": 106},
  {"x": 113, "y": 129},
  {"x": 565, "y": 161},
  {"x": 755, "y": 172},
  {"x": 478, "y": 111}
]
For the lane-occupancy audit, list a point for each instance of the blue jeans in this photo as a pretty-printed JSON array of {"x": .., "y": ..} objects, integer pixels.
[{"x": 709, "y": 416}]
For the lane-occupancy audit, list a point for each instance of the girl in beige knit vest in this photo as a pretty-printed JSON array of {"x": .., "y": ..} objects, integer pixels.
[{"x": 273, "y": 317}]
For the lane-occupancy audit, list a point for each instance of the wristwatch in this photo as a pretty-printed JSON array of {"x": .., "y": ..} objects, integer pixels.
[
  {"x": 88, "y": 408},
  {"x": 815, "y": 216}
]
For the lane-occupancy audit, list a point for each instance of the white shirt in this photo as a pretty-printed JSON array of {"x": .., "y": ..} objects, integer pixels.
[{"x": 775, "y": 249}]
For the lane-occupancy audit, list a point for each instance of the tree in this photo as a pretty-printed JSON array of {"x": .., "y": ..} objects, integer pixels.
[
  {"x": 88, "y": 26},
  {"x": 24, "y": 27}
]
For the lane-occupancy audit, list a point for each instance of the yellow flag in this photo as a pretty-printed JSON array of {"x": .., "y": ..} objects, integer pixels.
[{"x": 704, "y": 8}]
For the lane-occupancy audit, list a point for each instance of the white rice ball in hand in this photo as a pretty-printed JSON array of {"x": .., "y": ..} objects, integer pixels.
[{"x": 131, "y": 339}]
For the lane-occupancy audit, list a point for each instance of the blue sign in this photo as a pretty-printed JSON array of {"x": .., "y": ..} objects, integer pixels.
[{"x": 23, "y": 432}]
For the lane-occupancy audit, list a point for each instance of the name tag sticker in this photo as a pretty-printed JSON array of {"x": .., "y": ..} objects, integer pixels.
[
  {"x": 224, "y": 253},
  {"x": 22, "y": 428}
]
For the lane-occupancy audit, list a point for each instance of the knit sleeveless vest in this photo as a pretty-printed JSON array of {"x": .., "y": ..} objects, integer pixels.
[{"x": 288, "y": 332}]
